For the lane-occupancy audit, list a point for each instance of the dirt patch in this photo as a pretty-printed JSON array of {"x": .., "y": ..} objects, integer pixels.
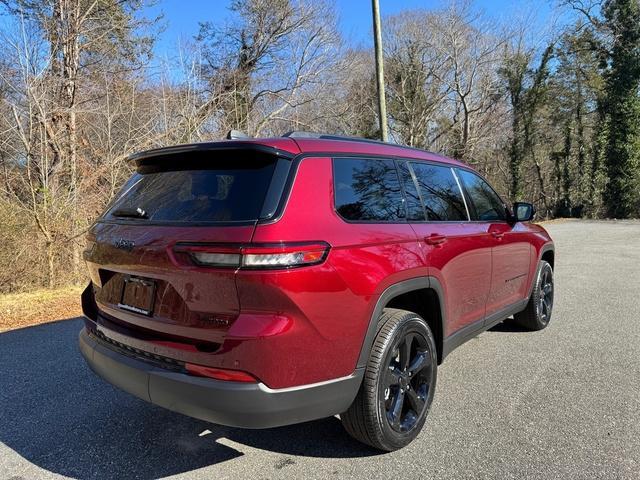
[{"x": 32, "y": 308}]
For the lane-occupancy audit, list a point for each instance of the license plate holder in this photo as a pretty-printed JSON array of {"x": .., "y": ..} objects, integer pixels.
[{"x": 138, "y": 295}]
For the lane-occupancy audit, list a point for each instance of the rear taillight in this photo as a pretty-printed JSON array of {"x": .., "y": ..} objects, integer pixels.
[
  {"x": 255, "y": 256},
  {"x": 209, "y": 255},
  {"x": 284, "y": 255}
]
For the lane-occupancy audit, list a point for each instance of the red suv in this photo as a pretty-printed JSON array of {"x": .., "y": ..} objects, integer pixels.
[{"x": 258, "y": 283}]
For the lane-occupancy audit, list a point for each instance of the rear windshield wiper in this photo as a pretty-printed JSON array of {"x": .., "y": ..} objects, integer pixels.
[{"x": 130, "y": 213}]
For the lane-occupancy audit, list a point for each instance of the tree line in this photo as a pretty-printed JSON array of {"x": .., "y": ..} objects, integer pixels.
[{"x": 552, "y": 118}]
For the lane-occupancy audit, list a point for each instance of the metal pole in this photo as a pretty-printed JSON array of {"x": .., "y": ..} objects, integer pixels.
[{"x": 377, "y": 40}]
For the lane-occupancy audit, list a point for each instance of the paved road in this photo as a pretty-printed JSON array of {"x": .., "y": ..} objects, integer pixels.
[{"x": 562, "y": 403}]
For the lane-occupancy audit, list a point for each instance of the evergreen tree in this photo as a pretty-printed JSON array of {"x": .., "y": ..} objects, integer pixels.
[{"x": 622, "y": 104}]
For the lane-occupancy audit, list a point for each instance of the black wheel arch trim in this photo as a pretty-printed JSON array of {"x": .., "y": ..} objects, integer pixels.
[
  {"x": 392, "y": 291},
  {"x": 547, "y": 247},
  {"x": 444, "y": 345}
]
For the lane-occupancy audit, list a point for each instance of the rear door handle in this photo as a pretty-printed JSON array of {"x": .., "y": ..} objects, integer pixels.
[
  {"x": 498, "y": 235},
  {"x": 435, "y": 239}
]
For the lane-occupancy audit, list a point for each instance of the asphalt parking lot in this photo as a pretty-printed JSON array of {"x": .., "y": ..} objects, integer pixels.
[{"x": 562, "y": 403}]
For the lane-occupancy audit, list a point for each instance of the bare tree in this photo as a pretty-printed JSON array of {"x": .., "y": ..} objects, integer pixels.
[
  {"x": 52, "y": 56},
  {"x": 269, "y": 61},
  {"x": 473, "y": 46},
  {"x": 78, "y": 94},
  {"x": 416, "y": 72}
]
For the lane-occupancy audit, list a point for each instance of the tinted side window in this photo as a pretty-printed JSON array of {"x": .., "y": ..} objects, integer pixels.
[
  {"x": 487, "y": 203},
  {"x": 367, "y": 190},
  {"x": 440, "y": 192}
]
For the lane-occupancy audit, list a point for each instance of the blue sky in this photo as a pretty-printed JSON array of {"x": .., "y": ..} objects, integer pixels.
[{"x": 181, "y": 17}]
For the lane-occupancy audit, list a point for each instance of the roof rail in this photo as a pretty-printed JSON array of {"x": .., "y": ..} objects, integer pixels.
[
  {"x": 327, "y": 136},
  {"x": 302, "y": 134},
  {"x": 236, "y": 135}
]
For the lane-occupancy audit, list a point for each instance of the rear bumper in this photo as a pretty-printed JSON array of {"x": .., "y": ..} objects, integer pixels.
[{"x": 246, "y": 405}]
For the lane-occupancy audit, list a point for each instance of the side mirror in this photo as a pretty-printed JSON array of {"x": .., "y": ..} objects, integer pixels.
[{"x": 523, "y": 212}]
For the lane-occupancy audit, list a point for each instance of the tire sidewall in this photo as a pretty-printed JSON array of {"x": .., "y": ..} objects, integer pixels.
[
  {"x": 411, "y": 324},
  {"x": 544, "y": 266}
]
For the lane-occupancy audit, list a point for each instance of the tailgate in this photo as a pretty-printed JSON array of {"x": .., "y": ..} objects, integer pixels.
[{"x": 196, "y": 197}]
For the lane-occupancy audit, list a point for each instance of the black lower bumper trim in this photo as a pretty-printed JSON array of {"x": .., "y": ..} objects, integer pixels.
[{"x": 246, "y": 405}]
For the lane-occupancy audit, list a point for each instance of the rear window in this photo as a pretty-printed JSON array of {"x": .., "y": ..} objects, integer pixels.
[
  {"x": 222, "y": 191},
  {"x": 367, "y": 190}
]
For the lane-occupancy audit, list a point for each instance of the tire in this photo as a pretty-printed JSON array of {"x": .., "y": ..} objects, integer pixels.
[
  {"x": 537, "y": 313},
  {"x": 399, "y": 380}
]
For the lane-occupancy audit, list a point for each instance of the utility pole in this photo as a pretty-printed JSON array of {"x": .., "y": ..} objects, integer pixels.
[{"x": 377, "y": 40}]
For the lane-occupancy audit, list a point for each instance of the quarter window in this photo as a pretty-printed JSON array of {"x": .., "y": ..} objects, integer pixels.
[
  {"x": 367, "y": 190},
  {"x": 440, "y": 192},
  {"x": 486, "y": 202}
]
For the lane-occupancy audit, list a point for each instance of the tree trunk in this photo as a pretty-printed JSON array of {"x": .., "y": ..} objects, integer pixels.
[{"x": 51, "y": 280}]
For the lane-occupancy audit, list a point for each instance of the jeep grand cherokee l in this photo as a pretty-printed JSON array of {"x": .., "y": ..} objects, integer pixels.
[{"x": 265, "y": 282}]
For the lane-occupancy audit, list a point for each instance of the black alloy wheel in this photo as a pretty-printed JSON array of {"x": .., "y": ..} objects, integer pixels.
[
  {"x": 405, "y": 389},
  {"x": 399, "y": 383},
  {"x": 537, "y": 313},
  {"x": 545, "y": 303}
]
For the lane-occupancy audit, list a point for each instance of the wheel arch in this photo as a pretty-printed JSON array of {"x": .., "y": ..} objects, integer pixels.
[
  {"x": 548, "y": 254},
  {"x": 421, "y": 295}
]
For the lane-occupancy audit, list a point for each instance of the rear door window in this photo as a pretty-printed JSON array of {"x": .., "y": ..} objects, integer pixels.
[
  {"x": 217, "y": 191},
  {"x": 367, "y": 190},
  {"x": 440, "y": 192}
]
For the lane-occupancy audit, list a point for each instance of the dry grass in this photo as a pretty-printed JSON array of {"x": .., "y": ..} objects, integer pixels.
[{"x": 25, "y": 309}]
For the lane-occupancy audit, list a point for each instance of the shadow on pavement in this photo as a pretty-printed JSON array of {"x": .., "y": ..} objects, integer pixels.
[
  {"x": 508, "y": 327},
  {"x": 59, "y": 416}
]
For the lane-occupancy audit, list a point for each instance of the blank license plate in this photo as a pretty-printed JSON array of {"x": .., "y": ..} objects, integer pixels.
[{"x": 138, "y": 295}]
